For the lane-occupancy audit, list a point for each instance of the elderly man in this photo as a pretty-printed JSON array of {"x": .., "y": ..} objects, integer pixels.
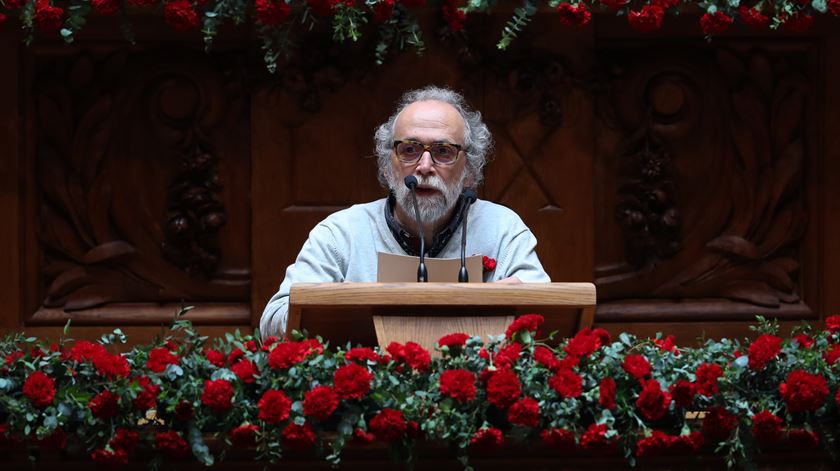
[{"x": 434, "y": 136}]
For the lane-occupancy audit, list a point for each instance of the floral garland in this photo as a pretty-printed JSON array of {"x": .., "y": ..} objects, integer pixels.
[
  {"x": 589, "y": 395},
  {"x": 393, "y": 21}
]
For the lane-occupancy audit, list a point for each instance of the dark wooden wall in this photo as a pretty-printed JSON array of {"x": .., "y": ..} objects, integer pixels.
[{"x": 696, "y": 183}]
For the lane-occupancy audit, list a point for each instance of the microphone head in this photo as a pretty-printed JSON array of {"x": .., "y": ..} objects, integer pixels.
[
  {"x": 470, "y": 195},
  {"x": 410, "y": 181}
]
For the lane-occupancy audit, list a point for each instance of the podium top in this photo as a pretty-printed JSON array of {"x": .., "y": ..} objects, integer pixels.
[{"x": 442, "y": 294}]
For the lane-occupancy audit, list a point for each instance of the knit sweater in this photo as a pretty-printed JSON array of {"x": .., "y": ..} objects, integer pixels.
[{"x": 344, "y": 247}]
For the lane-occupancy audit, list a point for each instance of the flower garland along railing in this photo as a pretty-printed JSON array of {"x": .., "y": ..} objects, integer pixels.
[
  {"x": 393, "y": 21},
  {"x": 591, "y": 394}
]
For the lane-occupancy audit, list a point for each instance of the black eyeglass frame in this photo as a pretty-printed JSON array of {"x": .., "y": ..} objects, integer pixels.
[{"x": 428, "y": 147}]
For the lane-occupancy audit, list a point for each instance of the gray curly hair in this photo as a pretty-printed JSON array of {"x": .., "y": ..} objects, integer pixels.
[{"x": 478, "y": 142}]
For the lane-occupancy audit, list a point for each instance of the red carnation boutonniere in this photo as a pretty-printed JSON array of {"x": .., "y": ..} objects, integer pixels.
[{"x": 488, "y": 263}]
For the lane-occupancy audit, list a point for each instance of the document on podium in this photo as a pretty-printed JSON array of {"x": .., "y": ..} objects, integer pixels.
[{"x": 395, "y": 268}]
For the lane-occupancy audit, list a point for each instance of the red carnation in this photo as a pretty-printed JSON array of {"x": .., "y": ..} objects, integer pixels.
[
  {"x": 382, "y": 11},
  {"x": 690, "y": 443},
  {"x": 525, "y": 411},
  {"x": 527, "y": 322},
  {"x": 767, "y": 427},
  {"x": 595, "y": 438},
  {"x": 160, "y": 358},
  {"x": 361, "y": 355},
  {"x": 803, "y": 391},
  {"x": 411, "y": 354},
  {"x": 567, "y": 383},
  {"x": 244, "y": 436},
  {"x": 388, "y": 425},
  {"x": 47, "y": 17},
  {"x": 361, "y": 436},
  {"x": 322, "y": 7},
  {"x": 507, "y": 355},
  {"x": 184, "y": 411},
  {"x": 116, "y": 457},
  {"x": 799, "y": 22},
  {"x": 707, "y": 375},
  {"x": 503, "y": 388},
  {"x": 244, "y": 370},
  {"x": 636, "y": 366},
  {"x": 14, "y": 4},
  {"x": 272, "y": 12},
  {"x": 171, "y": 443},
  {"x": 215, "y": 357},
  {"x": 765, "y": 348},
  {"x": 84, "y": 350},
  {"x": 298, "y": 437},
  {"x": 287, "y": 354},
  {"x": 40, "y": 389},
  {"x": 574, "y": 15},
  {"x": 804, "y": 439},
  {"x": 803, "y": 340},
  {"x": 274, "y": 406},
  {"x": 320, "y": 402},
  {"x": 456, "y": 340},
  {"x": 653, "y": 402},
  {"x": 112, "y": 366},
  {"x": 719, "y": 424},
  {"x": 667, "y": 345},
  {"x": 614, "y": 4},
  {"x": 489, "y": 264},
  {"x": 656, "y": 444},
  {"x": 217, "y": 395},
  {"x": 683, "y": 393},
  {"x": 146, "y": 398},
  {"x": 352, "y": 381},
  {"x": 236, "y": 354},
  {"x": 715, "y": 23},
  {"x": 584, "y": 343},
  {"x": 647, "y": 19},
  {"x": 458, "y": 384},
  {"x": 105, "y": 7},
  {"x": 455, "y": 18},
  {"x": 104, "y": 405},
  {"x": 834, "y": 7},
  {"x": 559, "y": 438},
  {"x": 124, "y": 439},
  {"x": 545, "y": 357},
  {"x": 180, "y": 15},
  {"x": 753, "y": 18},
  {"x": 606, "y": 393},
  {"x": 832, "y": 323},
  {"x": 489, "y": 438},
  {"x": 832, "y": 354}
]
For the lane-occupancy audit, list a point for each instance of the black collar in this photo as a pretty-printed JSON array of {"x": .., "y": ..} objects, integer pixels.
[{"x": 411, "y": 243}]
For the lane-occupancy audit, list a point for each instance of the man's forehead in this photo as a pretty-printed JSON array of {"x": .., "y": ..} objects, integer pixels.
[{"x": 431, "y": 115}]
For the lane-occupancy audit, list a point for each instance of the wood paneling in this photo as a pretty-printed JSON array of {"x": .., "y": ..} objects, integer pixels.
[{"x": 10, "y": 190}]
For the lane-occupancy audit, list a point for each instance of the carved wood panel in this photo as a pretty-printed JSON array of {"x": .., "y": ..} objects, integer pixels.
[
  {"x": 140, "y": 177},
  {"x": 703, "y": 156}
]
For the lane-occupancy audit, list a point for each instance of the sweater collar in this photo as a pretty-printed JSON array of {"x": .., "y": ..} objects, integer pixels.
[{"x": 411, "y": 243}]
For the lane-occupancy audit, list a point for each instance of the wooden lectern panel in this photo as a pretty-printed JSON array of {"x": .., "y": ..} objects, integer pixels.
[{"x": 422, "y": 312}]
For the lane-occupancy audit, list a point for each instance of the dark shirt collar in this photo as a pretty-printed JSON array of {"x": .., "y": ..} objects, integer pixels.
[{"x": 411, "y": 243}]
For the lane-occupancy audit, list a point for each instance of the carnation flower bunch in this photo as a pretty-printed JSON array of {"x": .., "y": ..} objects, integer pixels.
[
  {"x": 589, "y": 394},
  {"x": 395, "y": 23}
]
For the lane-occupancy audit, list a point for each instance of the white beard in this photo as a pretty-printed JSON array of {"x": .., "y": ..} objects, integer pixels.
[{"x": 432, "y": 208}]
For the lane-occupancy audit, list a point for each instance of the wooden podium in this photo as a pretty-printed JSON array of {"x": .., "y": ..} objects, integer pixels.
[{"x": 379, "y": 313}]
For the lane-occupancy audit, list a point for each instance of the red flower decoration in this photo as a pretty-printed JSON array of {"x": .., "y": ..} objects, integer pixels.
[
  {"x": 585, "y": 342},
  {"x": 767, "y": 428},
  {"x": 765, "y": 348},
  {"x": 507, "y": 355},
  {"x": 217, "y": 395},
  {"x": 489, "y": 438},
  {"x": 215, "y": 357},
  {"x": 832, "y": 323},
  {"x": 244, "y": 370},
  {"x": 105, "y": 7},
  {"x": 361, "y": 355},
  {"x": 799, "y": 22},
  {"x": 559, "y": 438},
  {"x": 614, "y": 4},
  {"x": 707, "y": 375},
  {"x": 653, "y": 402},
  {"x": 636, "y": 366},
  {"x": 111, "y": 366},
  {"x": 803, "y": 391},
  {"x": 244, "y": 436},
  {"x": 352, "y": 381},
  {"x": 298, "y": 437},
  {"x": 526, "y": 322},
  {"x": 656, "y": 444},
  {"x": 503, "y": 388},
  {"x": 388, "y": 425},
  {"x": 647, "y": 19},
  {"x": 753, "y": 18},
  {"x": 114, "y": 457},
  {"x": 272, "y": 12},
  {"x": 104, "y": 405},
  {"x": 667, "y": 345},
  {"x": 683, "y": 393},
  {"x": 453, "y": 341},
  {"x": 804, "y": 439},
  {"x": 715, "y": 23},
  {"x": 160, "y": 358},
  {"x": 47, "y": 17},
  {"x": 180, "y": 15},
  {"x": 719, "y": 424},
  {"x": 320, "y": 402},
  {"x": 595, "y": 438},
  {"x": 274, "y": 406},
  {"x": 40, "y": 389},
  {"x": 488, "y": 263},
  {"x": 567, "y": 383},
  {"x": 288, "y": 354},
  {"x": 147, "y": 398},
  {"x": 411, "y": 354},
  {"x": 606, "y": 393},
  {"x": 171, "y": 443},
  {"x": 382, "y": 11},
  {"x": 526, "y": 412},
  {"x": 574, "y": 15},
  {"x": 545, "y": 357},
  {"x": 458, "y": 384},
  {"x": 124, "y": 439},
  {"x": 453, "y": 15}
]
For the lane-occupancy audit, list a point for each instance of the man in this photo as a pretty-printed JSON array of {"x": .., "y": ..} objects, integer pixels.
[{"x": 434, "y": 136}]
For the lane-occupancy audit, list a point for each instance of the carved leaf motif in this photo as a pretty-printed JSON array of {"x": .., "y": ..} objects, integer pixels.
[
  {"x": 108, "y": 251},
  {"x": 736, "y": 246},
  {"x": 751, "y": 291}
]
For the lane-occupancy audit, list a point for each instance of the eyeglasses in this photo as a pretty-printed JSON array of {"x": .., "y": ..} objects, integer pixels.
[{"x": 443, "y": 153}]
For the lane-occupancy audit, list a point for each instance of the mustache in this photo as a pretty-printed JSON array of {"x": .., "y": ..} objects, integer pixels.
[{"x": 432, "y": 181}]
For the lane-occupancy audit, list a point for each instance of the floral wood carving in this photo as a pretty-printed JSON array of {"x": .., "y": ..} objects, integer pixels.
[
  {"x": 732, "y": 124},
  {"x": 110, "y": 132}
]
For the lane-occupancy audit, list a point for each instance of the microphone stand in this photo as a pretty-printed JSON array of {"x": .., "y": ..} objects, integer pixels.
[
  {"x": 422, "y": 274},
  {"x": 463, "y": 276}
]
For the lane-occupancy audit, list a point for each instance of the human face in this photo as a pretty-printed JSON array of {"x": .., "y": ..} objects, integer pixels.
[{"x": 438, "y": 186}]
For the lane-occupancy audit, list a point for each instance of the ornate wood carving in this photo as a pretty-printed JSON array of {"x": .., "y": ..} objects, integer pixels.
[
  {"x": 143, "y": 177},
  {"x": 714, "y": 204}
]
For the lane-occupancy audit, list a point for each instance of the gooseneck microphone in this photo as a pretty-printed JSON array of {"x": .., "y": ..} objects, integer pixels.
[
  {"x": 422, "y": 274},
  {"x": 469, "y": 197}
]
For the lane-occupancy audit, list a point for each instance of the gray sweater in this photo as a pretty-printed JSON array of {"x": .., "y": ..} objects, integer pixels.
[{"x": 343, "y": 247}]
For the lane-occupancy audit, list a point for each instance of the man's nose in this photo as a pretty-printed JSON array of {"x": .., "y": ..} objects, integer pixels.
[{"x": 425, "y": 166}]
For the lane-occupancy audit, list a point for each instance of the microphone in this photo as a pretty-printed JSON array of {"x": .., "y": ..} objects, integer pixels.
[
  {"x": 422, "y": 274},
  {"x": 469, "y": 196}
]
